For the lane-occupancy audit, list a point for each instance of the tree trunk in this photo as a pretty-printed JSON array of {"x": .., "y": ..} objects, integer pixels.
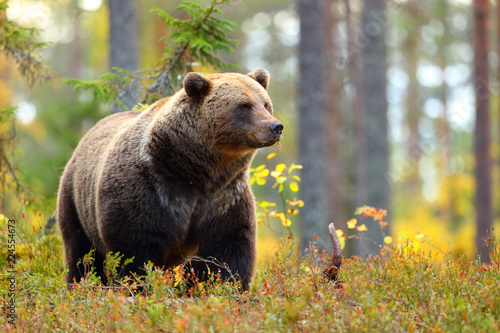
[
  {"x": 482, "y": 136},
  {"x": 312, "y": 123},
  {"x": 444, "y": 133},
  {"x": 336, "y": 186},
  {"x": 444, "y": 129},
  {"x": 497, "y": 209},
  {"x": 123, "y": 44},
  {"x": 413, "y": 109},
  {"x": 373, "y": 27},
  {"x": 75, "y": 62},
  {"x": 356, "y": 79}
]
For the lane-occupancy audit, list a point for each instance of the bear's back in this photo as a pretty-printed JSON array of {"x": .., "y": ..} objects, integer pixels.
[{"x": 86, "y": 164}]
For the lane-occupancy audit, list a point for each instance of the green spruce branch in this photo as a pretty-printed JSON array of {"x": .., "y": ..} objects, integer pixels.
[
  {"x": 20, "y": 44},
  {"x": 197, "y": 40}
]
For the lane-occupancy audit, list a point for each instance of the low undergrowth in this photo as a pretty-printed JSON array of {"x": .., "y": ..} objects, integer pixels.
[{"x": 402, "y": 290}]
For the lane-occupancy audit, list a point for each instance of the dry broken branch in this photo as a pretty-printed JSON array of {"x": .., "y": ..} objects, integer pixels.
[{"x": 332, "y": 271}]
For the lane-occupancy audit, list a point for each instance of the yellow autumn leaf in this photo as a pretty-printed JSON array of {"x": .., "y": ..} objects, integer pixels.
[
  {"x": 263, "y": 173},
  {"x": 276, "y": 174},
  {"x": 342, "y": 242},
  {"x": 362, "y": 228},
  {"x": 294, "y": 187},
  {"x": 361, "y": 209},
  {"x": 286, "y": 222},
  {"x": 351, "y": 223},
  {"x": 300, "y": 203},
  {"x": 260, "y": 167},
  {"x": 340, "y": 233},
  {"x": 271, "y": 156},
  {"x": 178, "y": 275},
  {"x": 388, "y": 239},
  {"x": 280, "y": 167},
  {"x": 261, "y": 181}
]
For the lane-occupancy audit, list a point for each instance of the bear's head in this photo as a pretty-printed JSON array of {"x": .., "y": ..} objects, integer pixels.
[{"x": 236, "y": 108}]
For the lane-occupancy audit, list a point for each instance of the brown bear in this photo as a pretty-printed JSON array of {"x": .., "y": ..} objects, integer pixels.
[{"x": 171, "y": 181}]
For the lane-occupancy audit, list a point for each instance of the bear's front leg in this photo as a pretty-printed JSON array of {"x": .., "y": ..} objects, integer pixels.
[{"x": 229, "y": 241}]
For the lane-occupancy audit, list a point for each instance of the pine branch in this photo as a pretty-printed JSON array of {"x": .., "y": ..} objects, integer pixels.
[
  {"x": 19, "y": 43},
  {"x": 3, "y": 156},
  {"x": 163, "y": 79},
  {"x": 195, "y": 39},
  {"x": 163, "y": 83}
]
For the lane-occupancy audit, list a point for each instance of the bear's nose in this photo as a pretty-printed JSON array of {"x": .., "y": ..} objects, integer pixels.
[{"x": 276, "y": 128}]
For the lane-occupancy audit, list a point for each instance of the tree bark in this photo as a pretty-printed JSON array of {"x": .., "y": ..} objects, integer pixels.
[
  {"x": 123, "y": 44},
  {"x": 444, "y": 127},
  {"x": 498, "y": 78},
  {"x": 356, "y": 79},
  {"x": 336, "y": 185},
  {"x": 312, "y": 123},
  {"x": 360, "y": 150},
  {"x": 413, "y": 109},
  {"x": 75, "y": 62},
  {"x": 374, "y": 22},
  {"x": 482, "y": 135}
]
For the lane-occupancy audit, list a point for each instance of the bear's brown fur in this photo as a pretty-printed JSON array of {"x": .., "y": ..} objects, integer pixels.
[{"x": 171, "y": 181}]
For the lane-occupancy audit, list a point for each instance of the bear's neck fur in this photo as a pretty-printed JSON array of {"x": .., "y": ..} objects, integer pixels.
[{"x": 182, "y": 154}]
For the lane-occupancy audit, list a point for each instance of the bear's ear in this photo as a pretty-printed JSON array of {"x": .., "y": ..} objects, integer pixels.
[
  {"x": 260, "y": 75},
  {"x": 196, "y": 85}
]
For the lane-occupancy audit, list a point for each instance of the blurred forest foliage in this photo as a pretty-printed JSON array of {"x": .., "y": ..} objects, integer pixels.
[{"x": 429, "y": 90}]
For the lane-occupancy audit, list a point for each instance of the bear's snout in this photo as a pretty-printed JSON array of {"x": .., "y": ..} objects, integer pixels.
[{"x": 276, "y": 128}]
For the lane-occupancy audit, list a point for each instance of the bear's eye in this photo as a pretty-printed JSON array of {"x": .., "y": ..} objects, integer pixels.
[
  {"x": 245, "y": 106},
  {"x": 266, "y": 105}
]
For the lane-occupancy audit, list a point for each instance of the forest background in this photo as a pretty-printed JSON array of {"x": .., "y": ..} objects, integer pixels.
[{"x": 378, "y": 99}]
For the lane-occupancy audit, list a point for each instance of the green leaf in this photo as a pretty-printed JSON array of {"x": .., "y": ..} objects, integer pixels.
[
  {"x": 7, "y": 114},
  {"x": 281, "y": 180},
  {"x": 361, "y": 209}
]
